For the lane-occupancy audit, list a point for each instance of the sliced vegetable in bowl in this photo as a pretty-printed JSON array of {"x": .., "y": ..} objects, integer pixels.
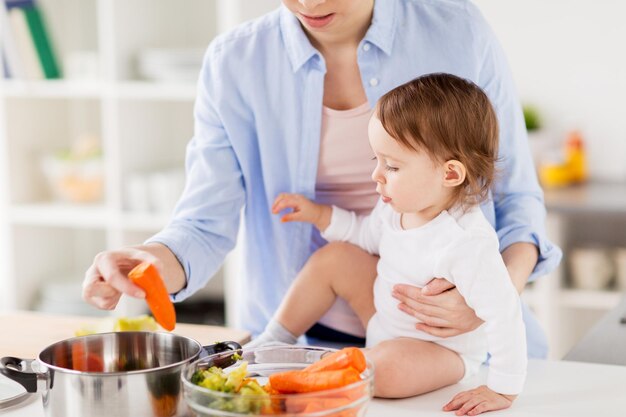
[{"x": 281, "y": 380}]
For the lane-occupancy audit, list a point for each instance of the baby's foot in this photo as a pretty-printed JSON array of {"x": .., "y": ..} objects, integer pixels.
[{"x": 275, "y": 334}]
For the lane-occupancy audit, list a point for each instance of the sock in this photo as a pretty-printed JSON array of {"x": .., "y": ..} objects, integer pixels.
[{"x": 274, "y": 334}]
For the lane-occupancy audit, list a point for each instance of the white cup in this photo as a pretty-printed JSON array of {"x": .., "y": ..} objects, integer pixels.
[{"x": 591, "y": 268}]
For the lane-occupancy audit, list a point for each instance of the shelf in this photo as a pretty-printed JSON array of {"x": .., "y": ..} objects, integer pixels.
[
  {"x": 51, "y": 89},
  {"x": 60, "y": 215},
  {"x": 144, "y": 90},
  {"x": 594, "y": 300},
  {"x": 144, "y": 222},
  {"x": 591, "y": 198},
  {"x": 131, "y": 90}
]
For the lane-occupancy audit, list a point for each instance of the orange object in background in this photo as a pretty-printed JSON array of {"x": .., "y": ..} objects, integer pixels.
[
  {"x": 575, "y": 157},
  {"x": 572, "y": 171},
  {"x": 147, "y": 277}
]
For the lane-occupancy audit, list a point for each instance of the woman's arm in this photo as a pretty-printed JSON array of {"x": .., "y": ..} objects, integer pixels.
[
  {"x": 442, "y": 310},
  {"x": 520, "y": 260}
]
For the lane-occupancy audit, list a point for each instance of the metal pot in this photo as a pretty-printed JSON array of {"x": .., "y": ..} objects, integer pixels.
[{"x": 111, "y": 374}]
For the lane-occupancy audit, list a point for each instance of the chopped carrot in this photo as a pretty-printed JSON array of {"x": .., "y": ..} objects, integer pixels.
[
  {"x": 344, "y": 358},
  {"x": 82, "y": 362},
  {"x": 304, "y": 381},
  {"x": 146, "y": 276},
  {"x": 326, "y": 404},
  {"x": 305, "y": 405}
]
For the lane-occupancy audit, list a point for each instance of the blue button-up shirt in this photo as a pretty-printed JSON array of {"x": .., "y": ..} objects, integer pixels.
[{"x": 257, "y": 133}]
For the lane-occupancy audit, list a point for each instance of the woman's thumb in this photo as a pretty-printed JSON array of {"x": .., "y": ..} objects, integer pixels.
[{"x": 437, "y": 286}]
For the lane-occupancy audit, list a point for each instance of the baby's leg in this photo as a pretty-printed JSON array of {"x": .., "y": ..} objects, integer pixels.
[
  {"x": 335, "y": 270},
  {"x": 406, "y": 367}
]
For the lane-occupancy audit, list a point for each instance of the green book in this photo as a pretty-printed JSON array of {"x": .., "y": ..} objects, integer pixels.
[{"x": 42, "y": 42}]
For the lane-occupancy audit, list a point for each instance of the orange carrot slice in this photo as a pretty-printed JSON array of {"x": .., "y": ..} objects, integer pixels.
[
  {"x": 344, "y": 358},
  {"x": 146, "y": 276},
  {"x": 303, "y": 381}
]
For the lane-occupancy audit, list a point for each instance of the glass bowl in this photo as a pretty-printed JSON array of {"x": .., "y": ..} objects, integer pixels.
[{"x": 348, "y": 401}]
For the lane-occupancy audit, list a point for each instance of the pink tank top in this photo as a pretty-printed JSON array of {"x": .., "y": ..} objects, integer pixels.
[{"x": 344, "y": 179}]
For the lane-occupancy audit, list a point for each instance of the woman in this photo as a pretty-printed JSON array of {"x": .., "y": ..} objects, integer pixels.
[{"x": 282, "y": 106}]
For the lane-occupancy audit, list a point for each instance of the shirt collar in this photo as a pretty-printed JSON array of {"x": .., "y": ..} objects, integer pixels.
[
  {"x": 299, "y": 49},
  {"x": 382, "y": 29}
]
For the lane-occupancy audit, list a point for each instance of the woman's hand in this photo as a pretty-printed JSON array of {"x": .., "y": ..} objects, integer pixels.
[
  {"x": 303, "y": 210},
  {"x": 478, "y": 400},
  {"x": 438, "y": 306},
  {"x": 107, "y": 277}
]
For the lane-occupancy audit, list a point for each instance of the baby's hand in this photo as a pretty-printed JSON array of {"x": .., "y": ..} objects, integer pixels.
[
  {"x": 478, "y": 400},
  {"x": 304, "y": 210}
]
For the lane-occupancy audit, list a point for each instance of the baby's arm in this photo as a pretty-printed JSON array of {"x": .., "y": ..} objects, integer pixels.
[
  {"x": 304, "y": 210},
  {"x": 477, "y": 269},
  {"x": 334, "y": 223}
]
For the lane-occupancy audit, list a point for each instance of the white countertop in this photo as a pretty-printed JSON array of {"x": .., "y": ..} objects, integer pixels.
[{"x": 553, "y": 389}]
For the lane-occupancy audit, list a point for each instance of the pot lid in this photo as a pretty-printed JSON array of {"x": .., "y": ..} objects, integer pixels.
[{"x": 11, "y": 393}]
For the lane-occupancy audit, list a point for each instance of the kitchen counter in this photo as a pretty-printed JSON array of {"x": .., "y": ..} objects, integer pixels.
[
  {"x": 25, "y": 334},
  {"x": 606, "y": 341},
  {"x": 553, "y": 388}
]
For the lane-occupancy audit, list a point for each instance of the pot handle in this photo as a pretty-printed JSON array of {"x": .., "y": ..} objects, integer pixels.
[
  {"x": 222, "y": 361},
  {"x": 20, "y": 371},
  {"x": 219, "y": 348}
]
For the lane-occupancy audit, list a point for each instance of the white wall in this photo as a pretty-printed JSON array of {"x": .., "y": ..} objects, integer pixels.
[
  {"x": 232, "y": 12},
  {"x": 569, "y": 58}
]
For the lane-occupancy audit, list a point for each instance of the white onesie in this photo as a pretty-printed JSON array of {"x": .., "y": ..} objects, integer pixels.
[{"x": 461, "y": 247}]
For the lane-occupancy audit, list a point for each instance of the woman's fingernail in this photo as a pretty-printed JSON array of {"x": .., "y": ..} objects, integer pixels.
[{"x": 140, "y": 294}]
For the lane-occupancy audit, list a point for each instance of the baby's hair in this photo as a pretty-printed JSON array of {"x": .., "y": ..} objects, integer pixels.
[{"x": 449, "y": 118}]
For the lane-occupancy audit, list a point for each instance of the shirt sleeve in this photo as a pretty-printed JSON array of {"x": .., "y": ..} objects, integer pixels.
[
  {"x": 206, "y": 218},
  {"x": 362, "y": 231},
  {"x": 520, "y": 212},
  {"x": 475, "y": 266}
]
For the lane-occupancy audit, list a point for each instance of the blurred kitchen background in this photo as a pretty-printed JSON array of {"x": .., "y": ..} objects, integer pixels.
[{"x": 96, "y": 105}]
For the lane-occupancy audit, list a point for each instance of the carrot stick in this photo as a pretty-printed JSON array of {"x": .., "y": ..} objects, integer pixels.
[
  {"x": 344, "y": 358},
  {"x": 294, "y": 404},
  {"x": 325, "y": 404},
  {"x": 303, "y": 381},
  {"x": 146, "y": 276}
]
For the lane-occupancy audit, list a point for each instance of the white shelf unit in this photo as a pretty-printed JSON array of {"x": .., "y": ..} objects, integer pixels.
[
  {"x": 591, "y": 215},
  {"x": 142, "y": 126}
]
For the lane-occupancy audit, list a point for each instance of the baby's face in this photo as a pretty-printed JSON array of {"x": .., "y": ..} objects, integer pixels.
[{"x": 408, "y": 180}]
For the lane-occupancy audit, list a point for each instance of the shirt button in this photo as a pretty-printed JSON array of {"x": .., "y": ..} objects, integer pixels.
[
  {"x": 366, "y": 47},
  {"x": 374, "y": 82}
]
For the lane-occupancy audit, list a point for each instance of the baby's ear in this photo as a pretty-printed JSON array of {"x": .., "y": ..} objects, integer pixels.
[{"x": 454, "y": 173}]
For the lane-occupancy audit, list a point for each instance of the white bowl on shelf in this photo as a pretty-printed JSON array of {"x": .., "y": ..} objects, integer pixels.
[
  {"x": 170, "y": 64},
  {"x": 591, "y": 268}
]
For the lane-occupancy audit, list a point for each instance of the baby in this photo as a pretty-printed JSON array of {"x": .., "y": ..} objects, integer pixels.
[{"x": 435, "y": 141}]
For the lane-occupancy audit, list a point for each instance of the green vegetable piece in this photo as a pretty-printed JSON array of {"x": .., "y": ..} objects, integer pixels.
[{"x": 236, "y": 376}]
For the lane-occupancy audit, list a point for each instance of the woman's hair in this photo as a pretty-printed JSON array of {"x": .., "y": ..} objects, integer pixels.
[{"x": 449, "y": 118}]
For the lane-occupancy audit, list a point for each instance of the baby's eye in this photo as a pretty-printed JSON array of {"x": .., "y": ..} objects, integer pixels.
[
  {"x": 390, "y": 168},
  {"x": 374, "y": 158}
]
